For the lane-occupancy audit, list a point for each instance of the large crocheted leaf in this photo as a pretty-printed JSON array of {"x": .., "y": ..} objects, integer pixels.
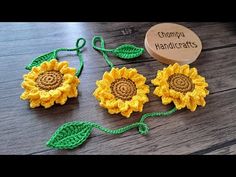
[
  {"x": 70, "y": 135},
  {"x": 37, "y": 61},
  {"x": 128, "y": 51}
]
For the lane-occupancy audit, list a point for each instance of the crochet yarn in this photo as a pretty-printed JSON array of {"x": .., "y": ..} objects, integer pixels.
[
  {"x": 125, "y": 51},
  {"x": 80, "y": 43}
]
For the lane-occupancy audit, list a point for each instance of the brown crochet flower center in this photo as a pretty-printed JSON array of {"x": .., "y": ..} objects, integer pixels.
[
  {"x": 49, "y": 80},
  {"x": 180, "y": 83},
  {"x": 123, "y": 89}
]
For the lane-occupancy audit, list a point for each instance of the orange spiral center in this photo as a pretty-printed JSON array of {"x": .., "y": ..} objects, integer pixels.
[
  {"x": 180, "y": 83},
  {"x": 123, "y": 89},
  {"x": 49, "y": 80}
]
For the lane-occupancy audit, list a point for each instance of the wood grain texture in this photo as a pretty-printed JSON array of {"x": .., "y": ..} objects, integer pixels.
[{"x": 209, "y": 130}]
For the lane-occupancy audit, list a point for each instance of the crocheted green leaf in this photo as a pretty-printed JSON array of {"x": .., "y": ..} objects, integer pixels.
[
  {"x": 70, "y": 135},
  {"x": 37, "y": 61},
  {"x": 128, "y": 51}
]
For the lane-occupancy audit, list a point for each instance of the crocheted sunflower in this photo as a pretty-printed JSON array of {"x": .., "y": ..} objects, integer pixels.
[
  {"x": 122, "y": 91},
  {"x": 181, "y": 85},
  {"x": 50, "y": 82}
]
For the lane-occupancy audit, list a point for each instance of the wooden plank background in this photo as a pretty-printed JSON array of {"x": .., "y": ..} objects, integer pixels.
[{"x": 209, "y": 130}]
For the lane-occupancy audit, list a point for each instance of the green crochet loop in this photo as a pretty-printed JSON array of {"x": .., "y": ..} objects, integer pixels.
[
  {"x": 72, "y": 134},
  {"x": 125, "y": 51},
  {"x": 53, "y": 55}
]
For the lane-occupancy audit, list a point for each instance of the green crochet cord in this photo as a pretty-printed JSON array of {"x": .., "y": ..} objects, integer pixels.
[
  {"x": 72, "y": 134},
  {"x": 125, "y": 51},
  {"x": 53, "y": 55}
]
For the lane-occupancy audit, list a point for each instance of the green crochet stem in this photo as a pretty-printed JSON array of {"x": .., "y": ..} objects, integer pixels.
[
  {"x": 53, "y": 55},
  {"x": 102, "y": 49},
  {"x": 143, "y": 128},
  {"x": 72, "y": 134},
  {"x": 125, "y": 51}
]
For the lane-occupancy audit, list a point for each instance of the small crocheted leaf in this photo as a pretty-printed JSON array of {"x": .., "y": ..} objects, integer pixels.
[
  {"x": 70, "y": 135},
  {"x": 128, "y": 51},
  {"x": 37, "y": 61}
]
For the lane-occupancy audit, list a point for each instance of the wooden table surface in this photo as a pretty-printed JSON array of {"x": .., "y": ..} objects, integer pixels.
[{"x": 209, "y": 130}]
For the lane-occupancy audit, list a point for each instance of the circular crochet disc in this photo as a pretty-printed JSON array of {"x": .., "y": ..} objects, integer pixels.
[
  {"x": 172, "y": 43},
  {"x": 49, "y": 80},
  {"x": 123, "y": 89},
  {"x": 180, "y": 83}
]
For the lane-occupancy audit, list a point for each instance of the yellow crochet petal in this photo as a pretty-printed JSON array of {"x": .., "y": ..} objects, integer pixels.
[
  {"x": 63, "y": 64},
  {"x": 168, "y": 72},
  {"x": 62, "y": 99},
  {"x": 158, "y": 91},
  {"x": 127, "y": 113},
  {"x": 166, "y": 100},
  {"x": 44, "y": 95},
  {"x": 113, "y": 110},
  {"x": 104, "y": 84},
  {"x": 201, "y": 101},
  {"x": 105, "y": 94},
  {"x": 123, "y": 106},
  {"x": 68, "y": 78},
  {"x": 183, "y": 69},
  {"x": 35, "y": 103},
  {"x": 131, "y": 72},
  {"x": 134, "y": 104},
  {"x": 73, "y": 93},
  {"x": 176, "y": 68},
  {"x": 30, "y": 76},
  {"x": 30, "y": 82},
  {"x": 113, "y": 103},
  {"x": 27, "y": 85},
  {"x": 179, "y": 104},
  {"x": 56, "y": 66},
  {"x": 67, "y": 70},
  {"x": 108, "y": 77},
  {"x": 115, "y": 74},
  {"x": 140, "y": 107},
  {"x": 35, "y": 70},
  {"x": 155, "y": 81},
  {"x": 143, "y": 89},
  {"x": 34, "y": 94},
  {"x": 193, "y": 73},
  {"x": 191, "y": 105},
  {"x": 24, "y": 95},
  {"x": 64, "y": 88},
  {"x": 50, "y": 64},
  {"x": 47, "y": 104},
  {"x": 43, "y": 67},
  {"x": 75, "y": 82},
  {"x": 141, "y": 98},
  {"x": 139, "y": 80},
  {"x": 123, "y": 72},
  {"x": 55, "y": 93}
]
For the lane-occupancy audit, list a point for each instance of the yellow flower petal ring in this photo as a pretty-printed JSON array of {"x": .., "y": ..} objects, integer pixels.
[
  {"x": 51, "y": 82},
  {"x": 181, "y": 85},
  {"x": 122, "y": 91}
]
